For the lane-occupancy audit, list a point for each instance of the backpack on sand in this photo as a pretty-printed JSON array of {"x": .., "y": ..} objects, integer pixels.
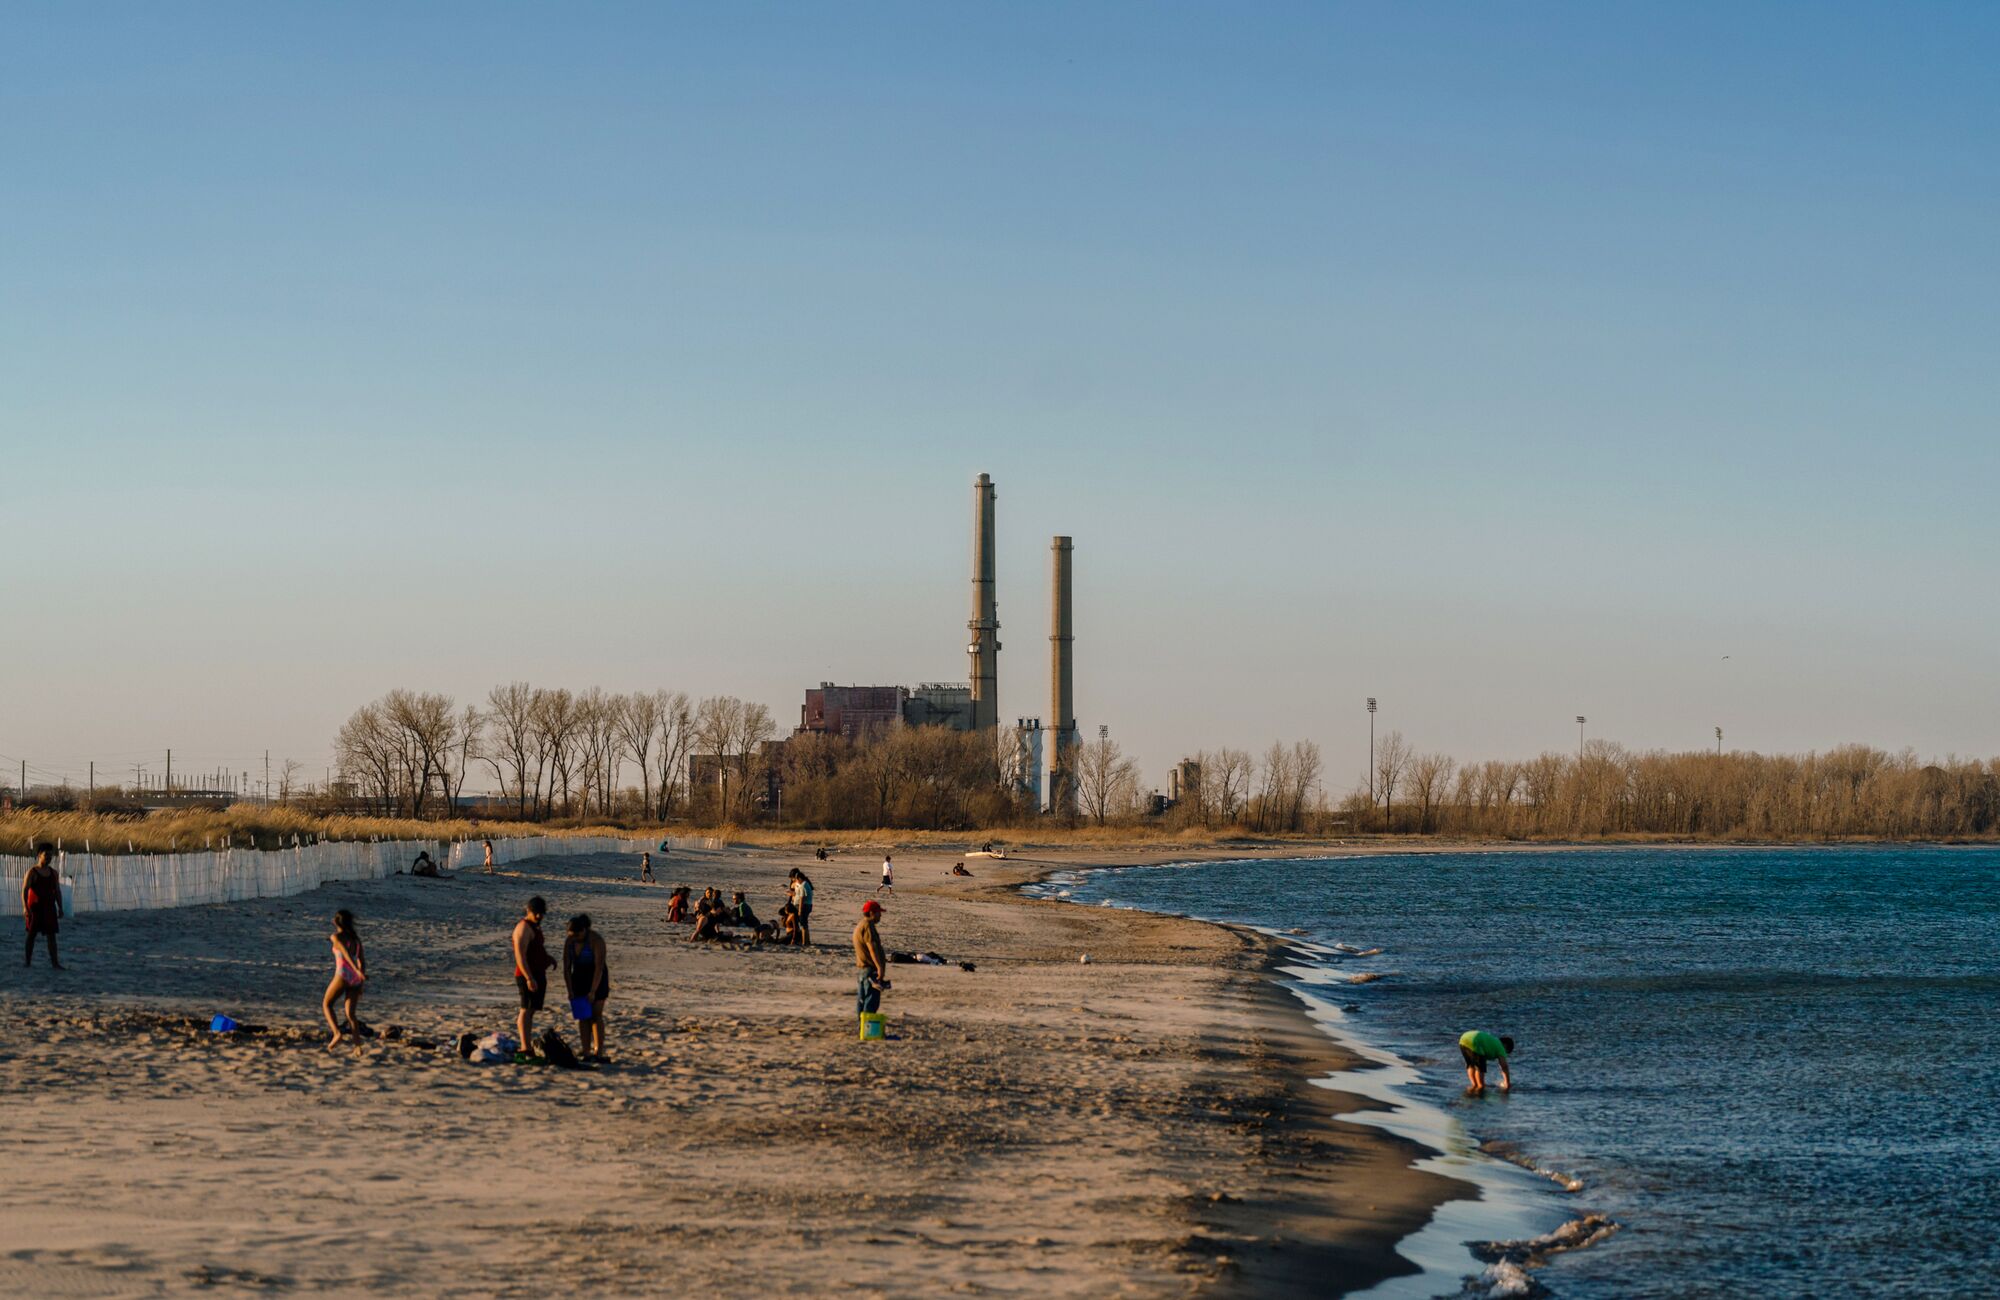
[{"x": 557, "y": 1052}]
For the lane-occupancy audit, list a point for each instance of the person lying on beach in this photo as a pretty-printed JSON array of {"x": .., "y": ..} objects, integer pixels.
[
  {"x": 41, "y": 906},
  {"x": 1478, "y": 1047},
  {"x": 645, "y": 868},
  {"x": 587, "y": 974},
  {"x": 531, "y": 964},
  {"x": 350, "y": 972}
]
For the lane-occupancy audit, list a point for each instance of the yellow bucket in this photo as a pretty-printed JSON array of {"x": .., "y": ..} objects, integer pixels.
[{"x": 873, "y": 1027}]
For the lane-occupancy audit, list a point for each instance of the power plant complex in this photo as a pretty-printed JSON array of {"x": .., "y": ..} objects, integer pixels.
[{"x": 856, "y": 712}]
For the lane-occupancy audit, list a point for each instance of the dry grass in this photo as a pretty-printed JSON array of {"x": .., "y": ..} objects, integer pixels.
[{"x": 240, "y": 826}]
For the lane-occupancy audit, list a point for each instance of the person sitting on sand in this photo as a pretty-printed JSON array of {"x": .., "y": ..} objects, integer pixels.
[
  {"x": 820, "y": 853},
  {"x": 1478, "y": 1047},
  {"x": 713, "y": 897},
  {"x": 587, "y": 974},
  {"x": 425, "y": 866},
  {"x": 705, "y": 920},
  {"x": 869, "y": 957},
  {"x": 739, "y": 910},
  {"x": 958, "y": 869},
  {"x": 677, "y": 905},
  {"x": 645, "y": 868},
  {"x": 788, "y": 925},
  {"x": 531, "y": 964},
  {"x": 41, "y": 906},
  {"x": 350, "y": 972}
]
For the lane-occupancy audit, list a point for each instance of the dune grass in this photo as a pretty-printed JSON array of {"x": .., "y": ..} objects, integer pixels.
[{"x": 241, "y": 826}]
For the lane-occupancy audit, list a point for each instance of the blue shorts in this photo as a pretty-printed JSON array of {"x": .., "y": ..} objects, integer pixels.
[{"x": 869, "y": 997}]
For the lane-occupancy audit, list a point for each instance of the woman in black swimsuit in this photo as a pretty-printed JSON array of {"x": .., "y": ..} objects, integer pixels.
[{"x": 587, "y": 972}]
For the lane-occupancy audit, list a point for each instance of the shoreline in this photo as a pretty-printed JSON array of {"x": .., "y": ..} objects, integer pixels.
[{"x": 1145, "y": 1123}]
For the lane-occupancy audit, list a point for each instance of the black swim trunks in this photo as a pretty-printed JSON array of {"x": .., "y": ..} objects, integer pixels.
[
  {"x": 531, "y": 999},
  {"x": 1473, "y": 1060}
]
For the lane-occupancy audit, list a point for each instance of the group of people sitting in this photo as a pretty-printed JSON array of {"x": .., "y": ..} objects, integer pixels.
[{"x": 715, "y": 920}]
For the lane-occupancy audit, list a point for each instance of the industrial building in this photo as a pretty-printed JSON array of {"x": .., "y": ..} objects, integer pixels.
[
  {"x": 852, "y": 712},
  {"x": 856, "y": 712}
]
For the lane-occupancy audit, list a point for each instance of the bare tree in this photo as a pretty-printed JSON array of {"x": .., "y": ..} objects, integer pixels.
[
  {"x": 288, "y": 772},
  {"x": 555, "y": 719},
  {"x": 511, "y": 709},
  {"x": 638, "y": 722},
  {"x": 1106, "y": 780},
  {"x": 369, "y": 757},
  {"x": 730, "y": 730},
  {"x": 1430, "y": 775},
  {"x": 1392, "y": 757},
  {"x": 676, "y": 735}
]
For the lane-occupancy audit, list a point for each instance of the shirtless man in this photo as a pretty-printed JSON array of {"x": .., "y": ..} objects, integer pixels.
[{"x": 868, "y": 955}]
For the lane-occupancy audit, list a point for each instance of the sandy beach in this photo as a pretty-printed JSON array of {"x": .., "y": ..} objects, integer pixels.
[{"x": 1139, "y": 1124}]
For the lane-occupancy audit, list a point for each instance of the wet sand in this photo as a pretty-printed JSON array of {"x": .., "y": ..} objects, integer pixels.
[{"x": 1140, "y": 1124}]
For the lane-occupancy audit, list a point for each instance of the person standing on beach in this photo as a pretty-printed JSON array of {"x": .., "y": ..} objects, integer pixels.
[
  {"x": 868, "y": 955},
  {"x": 802, "y": 905},
  {"x": 645, "y": 868},
  {"x": 1478, "y": 1047},
  {"x": 531, "y": 964},
  {"x": 350, "y": 972},
  {"x": 489, "y": 855},
  {"x": 41, "y": 906},
  {"x": 587, "y": 974},
  {"x": 888, "y": 876}
]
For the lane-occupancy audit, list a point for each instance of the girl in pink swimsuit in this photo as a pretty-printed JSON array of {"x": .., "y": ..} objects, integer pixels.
[{"x": 349, "y": 974}]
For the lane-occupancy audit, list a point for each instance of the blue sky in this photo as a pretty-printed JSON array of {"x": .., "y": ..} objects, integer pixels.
[{"x": 1503, "y": 362}]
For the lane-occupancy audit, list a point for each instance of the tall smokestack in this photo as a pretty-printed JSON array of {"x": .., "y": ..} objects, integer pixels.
[
  {"x": 984, "y": 648},
  {"x": 1062, "y": 696}
]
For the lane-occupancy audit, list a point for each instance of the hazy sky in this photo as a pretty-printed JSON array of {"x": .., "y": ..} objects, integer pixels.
[{"x": 1505, "y": 362}]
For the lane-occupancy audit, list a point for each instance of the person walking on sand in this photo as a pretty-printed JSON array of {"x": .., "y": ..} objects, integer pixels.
[
  {"x": 41, "y": 906},
  {"x": 587, "y": 975},
  {"x": 489, "y": 855},
  {"x": 531, "y": 964},
  {"x": 1478, "y": 1047},
  {"x": 350, "y": 972},
  {"x": 645, "y": 868},
  {"x": 868, "y": 955},
  {"x": 888, "y": 876}
]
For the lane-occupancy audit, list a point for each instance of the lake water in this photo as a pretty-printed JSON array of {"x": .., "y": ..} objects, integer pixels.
[{"x": 1771, "y": 1067}]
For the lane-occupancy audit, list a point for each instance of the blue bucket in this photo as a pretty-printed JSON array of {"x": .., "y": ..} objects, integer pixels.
[
  {"x": 580, "y": 1008},
  {"x": 222, "y": 1025}
]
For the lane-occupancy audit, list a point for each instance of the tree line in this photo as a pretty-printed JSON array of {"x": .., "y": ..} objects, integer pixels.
[
  {"x": 552, "y": 752},
  {"x": 1853, "y": 791}
]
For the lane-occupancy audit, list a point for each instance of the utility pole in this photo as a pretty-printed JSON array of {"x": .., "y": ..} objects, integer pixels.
[
  {"x": 267, "y": 776},
  {"x": 93, "y": 778},
  {"x": 170, "y": 774}
]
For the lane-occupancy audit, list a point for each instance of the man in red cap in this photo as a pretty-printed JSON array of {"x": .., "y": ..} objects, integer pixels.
[{"x": 869, "y": 957}]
